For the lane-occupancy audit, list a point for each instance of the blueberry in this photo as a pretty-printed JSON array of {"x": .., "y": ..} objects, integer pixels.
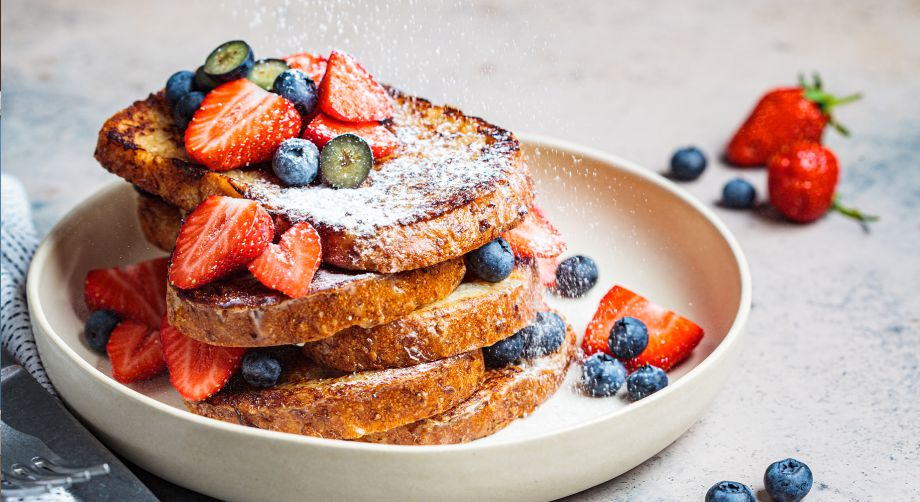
[
  {"x": 260, "y": 369},
  {"x": 575, "y": 276},
  {"x": 602, "y": 375},
  {"x": 738, "y": 194},
  {"x": 687, "y": 164},
  {"x": 186, "y": 107},
  {"x": 204, "y": 83},
  {"x": 492, "y": 262},
  {"x": 787, "y": 480},
  {"x": 544, "y": 336},
  {"x": 99, "y": 328},
  {"x": 729, "y": 491},
  {"x": 628, "y": 337},
  {"x": 504, "y": 352},
  {"x": 298, "y": 88},
  {"x": 178, "y": 85},
  {"x": 646, "y": 381},
  {"x": 296, "y": 162}
]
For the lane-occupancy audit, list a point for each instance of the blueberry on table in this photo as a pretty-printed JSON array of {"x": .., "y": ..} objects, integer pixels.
[
  {"x": 787, "y": 480},
  {"x": 265, "y": 71},
  {"x": 98, "y": 328},
  {"x": 729, "y": 491},
  {"x": 575, "y": 276},
  {"x": 296, "y": 162},
  {"x": 544, "y": 336},
  {"x": 179, "y": 84},
  {"x": 296, "y": 87},
  {"x": 628, "y": 337},
  {"x": 229, "y": 61},
  {"x": 646, "y": 381},
  {"x": 204, "y": 83},
  {"x": 492, "y": 262},
  {"x": 345, "y": 161},
  {"x": 738, "y": 194},
  {"x": 602, "y": 375},
  {"x": 186, "y": 107},
  {"x": 503, "y": 352},
  {"x": 260, "y": 369},
  {"x": 687, "y": 164}
]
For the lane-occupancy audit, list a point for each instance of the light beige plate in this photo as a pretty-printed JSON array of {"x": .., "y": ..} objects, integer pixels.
[{"x": 644, "y": 233}]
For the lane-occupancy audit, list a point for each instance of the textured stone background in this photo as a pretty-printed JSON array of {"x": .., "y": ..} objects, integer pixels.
[{"x": 830, "y": 369}]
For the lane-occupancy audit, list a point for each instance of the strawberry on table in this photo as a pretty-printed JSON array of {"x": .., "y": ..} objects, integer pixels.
[
  {"x": 238, "y": 124},
  {"x": 135, "y": 352},
  {"x": 313, "y": 65},
  {"x": 221, "y": 235},
  {"x": 197, "y": 370},
  {"x": 323, "y": 128},
  {"x": 136, "y": 292},
  {"x": 782, "y": 116},
  {"x": 671, "y": 337},
  {"x": 535, "y": 237},
  {"x": 289, "y": 265},
  {"x": 349, "y": 93}
]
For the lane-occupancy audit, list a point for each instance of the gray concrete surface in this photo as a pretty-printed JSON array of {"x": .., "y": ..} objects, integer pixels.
[{"x": 830, "y": 370}]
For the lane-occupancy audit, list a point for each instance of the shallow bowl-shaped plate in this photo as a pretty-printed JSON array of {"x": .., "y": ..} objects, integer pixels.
[{"x": 644, "y": 234}]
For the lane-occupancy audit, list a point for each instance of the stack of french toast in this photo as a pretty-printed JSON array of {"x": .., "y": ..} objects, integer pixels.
[{"x": 398, "y": 302}]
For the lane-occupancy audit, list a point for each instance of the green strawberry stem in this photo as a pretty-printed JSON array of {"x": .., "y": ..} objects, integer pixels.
[
  {"x": 856, "y": 214},
  {"x": 815, "y": 93}
]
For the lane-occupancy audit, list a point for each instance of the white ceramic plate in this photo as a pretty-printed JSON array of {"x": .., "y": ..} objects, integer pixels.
[{"x": 644, "y": 234}]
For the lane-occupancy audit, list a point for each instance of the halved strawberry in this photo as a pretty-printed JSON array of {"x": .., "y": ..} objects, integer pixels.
[
  {"x": 221, "y": 235},
  {"x": 535, "y": 237},
  {"x": 197, "y": 370},
  {"x": 313, "y": 65},
  {"x": 136, "y": 292},
  {"x": 323, "y": 128},
  {"x": 289, "y": 265},
  {"x": 135, "y": 352},
  {"x": 348, "y": 92},
  {"x": 239, "y": 124},
  {"x": 671, "y": 337},
  {"x": 546, "y": 270}
]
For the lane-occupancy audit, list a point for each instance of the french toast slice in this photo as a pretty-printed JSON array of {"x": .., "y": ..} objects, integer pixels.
[
  {"x": 316, "y": 401},
  {"x": 506, "y": 394},
  {"x": 475, "y": 315},
  {"x": 455, "y": 183},
  {"x": 239, "y": 311}
]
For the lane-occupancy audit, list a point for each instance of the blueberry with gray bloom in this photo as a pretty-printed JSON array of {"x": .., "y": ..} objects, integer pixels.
[
  {"x": 186, "y": 107},
  {"x": 628, "y": 337},
  {"x": 260, "y": 369},
  {"x": 646, "y": 381},
  {"x": 602, "y": 375},
  {"x": 492, "y": 262},
  {"x": 544, "y": 336},
  {"x": 738, "y": 194},
  {"x": 179, "y": 84},
  {"x": 729, "y": 491},
  {"x": 504, "y": 352},
  {"x": 298, "y": 88},
  {"x": 687, "y": 164},
  {"x": 575, "y": 276},
  {"x": 98, "y": 329},
  {"x": 296, "y": 162},
  {"x": 788, "y": 480}
]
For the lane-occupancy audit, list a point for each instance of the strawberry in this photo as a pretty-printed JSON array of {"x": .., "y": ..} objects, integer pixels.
[
  {"x": 289, "y": 265},
  {"x": 782, "y": 116},
  {"x": 323, "y": 128},
  {"x": 546, "y": 269},
  {"x": 221, "y": 235},
  {"x": 136, "y": 292},
  {"x": 313, "y": 65},
  {"x": 535, "y": 237},
  {"x": 349, "y": 93},
  {"x": 197, "y": 370},
  {"x": 802, "y": 179},
  {"x": 239, "y": 124},
  {"x": 671, "y": 337},
  {"x": 135, "y": 352}
]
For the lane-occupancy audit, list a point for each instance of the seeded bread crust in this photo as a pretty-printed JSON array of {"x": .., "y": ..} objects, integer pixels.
[
  {"x": 438, "y": 221},
  {"x": 314, "y": 401}
]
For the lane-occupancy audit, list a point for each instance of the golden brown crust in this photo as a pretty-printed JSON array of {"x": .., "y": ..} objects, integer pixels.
[
  {"x": 142, "y": 145},
  {"x": 506, "y": 394},
  {"x": 312, "y": 402},
  {"x": 475, "y": 315},
  {"x": 159, "y": 221}
]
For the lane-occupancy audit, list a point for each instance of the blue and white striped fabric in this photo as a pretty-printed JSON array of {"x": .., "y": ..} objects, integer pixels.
[{"x": 19, "y": 242}]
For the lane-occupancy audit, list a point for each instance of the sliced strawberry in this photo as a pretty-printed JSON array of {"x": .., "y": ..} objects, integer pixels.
[
  {"x": 136, "y": 292},
  {"x": 135, "y": 352},
  {"x": 348, "y": 92},
  {"x": 546, "y": 270},
  {"x": 197, "y": 370},
  {"x": 671, "y": 337},
  {"x": 313, "y": 65},
  {"x": 239, "y": 124},
  {"x": 535, "y": 237},
  {"x": 221, "y": 235},
  {"x": 289, "y": 265},
  {"x": 323, "y": 128}
]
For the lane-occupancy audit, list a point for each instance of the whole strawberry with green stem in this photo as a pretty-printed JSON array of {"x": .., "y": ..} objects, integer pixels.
[{"x": 783, "y": 116}]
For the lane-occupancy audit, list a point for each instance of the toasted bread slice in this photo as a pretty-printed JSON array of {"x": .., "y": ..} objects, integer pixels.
[
  {"x": 454, "y": 183},
  {"x": 476, "y": 314},
  {"x": 314, "y": 401},
  {"x": 239, "y": 311},
  {"x": 506, "y": 394}
]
